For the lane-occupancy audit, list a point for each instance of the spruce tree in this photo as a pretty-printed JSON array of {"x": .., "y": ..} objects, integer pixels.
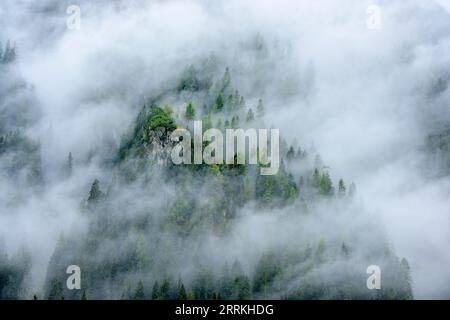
[
  {"x": 260, "y": 111},
  {"x": 139, "y": 293},
  {"x": 341, "y": 188},
  {"x": 250, "y": 115},
  {"x": 155, "y": 291},
  {"x": 182, "y": 295},
  {"x": 219, "y": 103},
  {"x": 190, "y": 112},
  {"x": 95, "y": 194}
]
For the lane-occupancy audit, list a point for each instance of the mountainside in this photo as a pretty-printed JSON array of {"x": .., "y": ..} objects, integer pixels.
[{"x": 166, "y": 231}]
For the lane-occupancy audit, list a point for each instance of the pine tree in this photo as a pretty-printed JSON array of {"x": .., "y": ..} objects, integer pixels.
[
  {"x": 219, "y": 103},
  {"x": 242, "y": 287},
  {"x": 181, "y": 291},
  {"x": 69, "y": 165},
  {"x": 95, "y": 194},
  {"x": 164, "y": 291},
  {"x": 226, "y": 79},
  {"x": 83, "y": 295},
  {"x": 260, "y": 111},
  {"x": 250, "y": 115},
  {"x": 316, "y": 178},
  {"x": 290, "y": 154},
  {"x": 234, "y": 122},
  {"x": 190, "y": 112},
  {"x": 139, "y": 294},
  {"x": 241, "y": 104},
  {"x": 206, "y": 122},
  {"x": 155, "y": 291},
  {"x": 341, "y": 188},
  {"x": 7, "y": 52},
  {"x": 325, "y": 185},
  {"x": 56, "y": 290},
  {"x": 230, "y": 103}
]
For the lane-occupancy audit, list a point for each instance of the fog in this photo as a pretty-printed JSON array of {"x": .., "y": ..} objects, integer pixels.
[{"x": 365, "y": 98}]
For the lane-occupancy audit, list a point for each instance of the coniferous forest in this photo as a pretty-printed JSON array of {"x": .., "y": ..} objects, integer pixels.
[{"x": 87, "y": 177}]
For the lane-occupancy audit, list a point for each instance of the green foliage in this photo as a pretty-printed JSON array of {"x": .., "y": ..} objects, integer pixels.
[
  {"x": 218, "y": 106},
  {"x": 326, "y": 185},
  {"x": 190, "y": 112},
  {"x": 160, "y": 118},
  {"x": 206, "y": 199},
  {"x": 265, "y": 272},
  {"x": 189, "y": 80},
  {"x": 206, "y": 122},
  {"x": 155, "y": 292},
  {"x": 182, "y": 295}
]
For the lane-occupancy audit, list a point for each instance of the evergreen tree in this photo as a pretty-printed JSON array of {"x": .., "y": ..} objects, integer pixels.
[
  {"x": 325, "y": 185},
  {"x": 241, "y": 104},
  {"x": 316, "y": 178},
  {"x": 139, "y": 293},
  {"x": 234, "y": 122},
  {"x": 290, "y": 154},
  {"x": 69, "y": 165},
  {"x": 189, "y": 80},
  {"x": 345, "y": 250},
  {"x": 242, "y": 288},
  {"x": 164, "y": 291},
  {"x": 95, "y": 194},
  {"x": 265, "y": 272},
  {"x": 218, "y": 106},
  {"x": 250, "y": 115},
  {"x": 226, "y": 79},
  {"x": 226, "y": 283},
  {"x": 260, "y": 111},
  {"x": 341, "y": 188},
  {"x": 155, "y": 291},
  {"x": 181, "y": 291},
  {"x": 206, "y": 122},
  {"x": 230, "y": 103},
  {"x": 56, "y": 291},
  {"x": 190, "y": 112},
  {"x": 83, "y": 295}
]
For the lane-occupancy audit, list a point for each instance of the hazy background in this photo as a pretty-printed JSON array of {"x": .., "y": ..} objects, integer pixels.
[{"x": 361, "y": 96}]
